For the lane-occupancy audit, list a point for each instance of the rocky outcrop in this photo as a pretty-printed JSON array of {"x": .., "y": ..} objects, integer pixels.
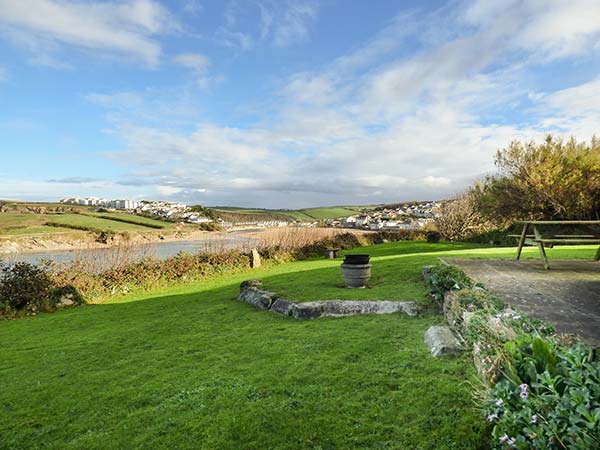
[
  {"x": 251, "y": 293},
  {"x": 441, "y": 341}
]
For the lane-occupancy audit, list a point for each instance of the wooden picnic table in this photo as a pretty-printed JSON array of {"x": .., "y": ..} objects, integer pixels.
[{"x": 544, "y": 239}]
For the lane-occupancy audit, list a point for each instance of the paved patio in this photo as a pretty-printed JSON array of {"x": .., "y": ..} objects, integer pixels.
[{"x": 567, "y": 295}]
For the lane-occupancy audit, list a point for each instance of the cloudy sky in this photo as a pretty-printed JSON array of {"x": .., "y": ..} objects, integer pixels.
[{"x": 278, "y": 103}]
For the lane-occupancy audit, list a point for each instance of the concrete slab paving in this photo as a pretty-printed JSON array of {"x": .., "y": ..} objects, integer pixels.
[{"x": 567, "y": 295}]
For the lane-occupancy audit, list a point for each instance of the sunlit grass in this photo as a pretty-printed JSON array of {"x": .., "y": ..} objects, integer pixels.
[{"x": 189, "y": 367}]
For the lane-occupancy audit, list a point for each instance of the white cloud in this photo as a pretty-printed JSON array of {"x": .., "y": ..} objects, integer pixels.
[
  {"x": 198, "y": 63},
  {"x": 294, "y": 26},
  {"x": 574, "y": 110},
  {"x": 280, "y": 23},
  {"x": 121, "y": 28},
  {"x": 555, "y": 28},
  {"x": 234, "y": 39},
  {"x": 380, "y": 123},
  {"x": 266, "y": 21},
  {"x": 192, "y": 7}
]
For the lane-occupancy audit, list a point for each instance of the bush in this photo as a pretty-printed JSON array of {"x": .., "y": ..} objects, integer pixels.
[
  {"x": 549, "y": 397},
  {"x": 444, "y": 278},
  {"x": 24, "y": 287},
  {"x": 433, "y": 237},
  {"x": 552, "y": 180},
  {"x": 493, "y": 237},
  {"x": 459, "y": 218},
  {"x": 210, "y": 226}
]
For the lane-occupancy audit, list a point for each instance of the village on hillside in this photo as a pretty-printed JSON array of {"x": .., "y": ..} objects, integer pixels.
[
  {"x": 403, "y": 217},
  {"x": 388, "y": 218},
  {"x": 162, "y": 209}
]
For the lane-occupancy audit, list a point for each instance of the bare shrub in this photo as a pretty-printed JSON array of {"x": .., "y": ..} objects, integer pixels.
[{"x": 459, "y": 218}]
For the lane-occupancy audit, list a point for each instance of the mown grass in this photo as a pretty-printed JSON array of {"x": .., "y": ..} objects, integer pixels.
[{"x": 190, "y": 368}]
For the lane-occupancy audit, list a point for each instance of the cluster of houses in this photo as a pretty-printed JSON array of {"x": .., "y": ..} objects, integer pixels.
[
  {"x": 389, "y": 218},
  {"x": 403, "y": 217},
  {"x": 102, "y": 202},
  {"x": 167, "y": 210},
  {"x": 267, "y": 224}
]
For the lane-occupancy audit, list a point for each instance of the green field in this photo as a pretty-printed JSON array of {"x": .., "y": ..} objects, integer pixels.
[
  {"x": 189, "y": 367},
  {"x": 330, "y": 213},
  {"x": 13, "y": 223},
  {"x": 309, "y": 214}
]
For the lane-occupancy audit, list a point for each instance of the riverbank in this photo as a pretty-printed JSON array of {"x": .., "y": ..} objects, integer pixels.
[{"x": 82, "y": 240}]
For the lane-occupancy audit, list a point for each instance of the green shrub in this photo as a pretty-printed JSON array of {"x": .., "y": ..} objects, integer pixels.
[
  {"x": 444, "y": 278},
  {"x": 24, "y": 287},
  {"x": 433, "y": 236},
  {"x": 210, "y": 226},
  {"x": 73, "y": 227},
  {"x": 548, "y": 398},
  {"x": 494, "y": 237}
]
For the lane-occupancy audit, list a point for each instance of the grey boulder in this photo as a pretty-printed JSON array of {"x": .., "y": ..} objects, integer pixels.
[{"x": 441, "y": 341}]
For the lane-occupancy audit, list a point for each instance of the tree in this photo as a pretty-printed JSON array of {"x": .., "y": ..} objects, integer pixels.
[{"x": 553, "y": 180}]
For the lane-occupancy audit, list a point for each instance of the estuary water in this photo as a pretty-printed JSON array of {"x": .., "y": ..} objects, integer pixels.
[{"x": 160, "y": 250}]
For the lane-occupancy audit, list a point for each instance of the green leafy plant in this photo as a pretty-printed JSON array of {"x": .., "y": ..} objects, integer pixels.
[
  {"x": 24, "y": 287},
  {"x": 444, "y": 278},
  {"x": 547, "y": 398}
]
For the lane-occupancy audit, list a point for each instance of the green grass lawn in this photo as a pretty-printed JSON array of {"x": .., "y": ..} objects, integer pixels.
[{"x": 189, "y": 367}]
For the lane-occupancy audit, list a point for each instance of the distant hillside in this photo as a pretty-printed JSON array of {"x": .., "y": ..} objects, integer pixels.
[
  {"x": 236, "y": 214},
  {"x": 28, "y": 218}
]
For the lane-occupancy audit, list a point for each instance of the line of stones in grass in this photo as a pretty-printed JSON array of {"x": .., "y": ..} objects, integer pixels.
[
  {"x": 251, "y": 293},
  {"x": 440, "y": 339}
]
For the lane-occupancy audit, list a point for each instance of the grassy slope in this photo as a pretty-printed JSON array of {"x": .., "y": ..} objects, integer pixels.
[
  {"x": 141, "y": 219},
  {"x": 95, "y": 222},
  {"x": 330, "y": 213},
  {"x": 15, "y": 223},
  {"x": 189, "y": 367},
  {"x": 300, "y": 214}
]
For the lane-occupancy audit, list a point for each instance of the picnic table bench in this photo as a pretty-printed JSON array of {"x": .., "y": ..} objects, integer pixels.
[{"x": 543, "y": 239}]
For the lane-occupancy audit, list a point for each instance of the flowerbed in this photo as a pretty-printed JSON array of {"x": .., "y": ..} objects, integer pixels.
[{"x": 540, "y": 390}]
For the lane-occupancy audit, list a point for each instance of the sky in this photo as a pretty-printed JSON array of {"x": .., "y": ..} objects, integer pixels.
[{"x": 284, "y": 104}]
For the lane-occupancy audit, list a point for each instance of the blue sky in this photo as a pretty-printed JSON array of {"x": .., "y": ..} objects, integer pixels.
[{"x": 276, "y": 103}]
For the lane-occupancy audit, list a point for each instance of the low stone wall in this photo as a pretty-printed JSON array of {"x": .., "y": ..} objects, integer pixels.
[{"x": 251, "y": 293}]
